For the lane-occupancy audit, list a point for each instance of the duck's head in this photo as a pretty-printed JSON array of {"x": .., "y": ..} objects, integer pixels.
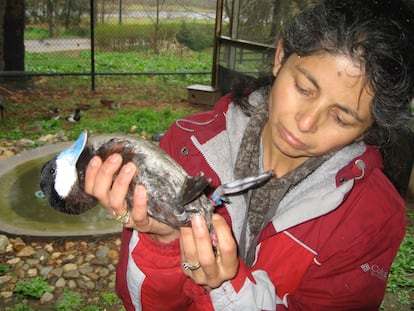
[{"x": 59, "y": 180}]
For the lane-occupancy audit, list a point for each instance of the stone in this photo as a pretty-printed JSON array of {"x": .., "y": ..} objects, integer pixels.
[
  {"x": 4, "y": 242},
  {"x": 85, "y": 269},
  {"x": 49, "y": 248},
  {"x": 6, "y": 294},
  {"x": 102, "y": 272},
  {"x": 18, "y": 244},
  {"x": 57, "y": 272},
  {"x": 32, "y": 262},
  {"x": 102, "y": 251},
  {"x": 46, "y": 297},
  {"x": 55, "y": 255},
  {"x": 72, "y": 284},
  {"x": 69, "y": 245},
  {"x": 9, "y": 248},
  {"x": 89, "y": 257},
  {"x": 32, "y": 272},
  {"x": 14, "y": 261},
  {"x": 24, "y": 142},
  {"x": 44, "y": 271},
  {"x": 46, "y": 138},
  {"x": 93, "y": 276},
  {"x": 27, "y": 251},
  {"x": 69, "y": 267},
  {"x": 113, "y": 254},
  {"x": 60, "y": 282},
  {"x": 5, "y": 279},
  {"x": 42, "y": 255},
  {"x": 89, "y": 285},
  {"x": 4, "y": 154},
  {"x": 72, "y": 274}
]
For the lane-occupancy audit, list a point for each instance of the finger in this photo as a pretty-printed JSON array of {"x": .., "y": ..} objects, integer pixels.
[
  {"x": 120, "y": 188},
  {"x": 227, "y": 258},
  {"x": 226, "y": 245},
  {"x": 90, "y": 174},
  {"x": 203, "y": 241},
  {"x": 104, "y": 177},
  {"x": 188, "y": 247},
  {"x": 139, "y": 210}
]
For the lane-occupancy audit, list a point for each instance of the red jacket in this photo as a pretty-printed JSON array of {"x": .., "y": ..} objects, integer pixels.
[{"x": 336, "y": 259}]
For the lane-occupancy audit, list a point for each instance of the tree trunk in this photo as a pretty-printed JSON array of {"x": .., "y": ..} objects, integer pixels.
[
  {"x": 2, "y": 10},
  {"x": 13, "y": 32}
]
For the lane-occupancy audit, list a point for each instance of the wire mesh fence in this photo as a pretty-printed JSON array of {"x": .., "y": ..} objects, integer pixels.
[{"x": 123, "y": 37}]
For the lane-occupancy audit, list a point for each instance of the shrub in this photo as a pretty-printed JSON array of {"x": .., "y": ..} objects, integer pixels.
[
  {"x": 34, "y": 288},
  {"x": 197, "y": 36},
  {"x": 70, "y": 301}
]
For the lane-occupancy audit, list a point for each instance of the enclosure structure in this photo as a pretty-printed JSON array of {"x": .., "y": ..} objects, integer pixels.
[{"x": 246, "y": 35}]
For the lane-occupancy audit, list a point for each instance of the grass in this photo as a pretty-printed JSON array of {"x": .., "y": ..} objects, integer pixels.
[
  {"x": 145, "y": 121},
  {"x": 401, "y": 279},
  {"x": 109, "y": 62}
]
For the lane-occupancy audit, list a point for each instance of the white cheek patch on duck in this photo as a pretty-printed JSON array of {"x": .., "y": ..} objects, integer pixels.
[{"x": 66, "y": 177}]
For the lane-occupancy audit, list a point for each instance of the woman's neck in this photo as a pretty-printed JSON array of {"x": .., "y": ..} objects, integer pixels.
[{"x": 274, "y": 159}]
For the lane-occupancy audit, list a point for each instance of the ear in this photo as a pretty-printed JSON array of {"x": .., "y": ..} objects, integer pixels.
[{"x": 280, "y": 52}]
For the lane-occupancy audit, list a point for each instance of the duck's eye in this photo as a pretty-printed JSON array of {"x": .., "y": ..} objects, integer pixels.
[{"x": 52, "y": 171}]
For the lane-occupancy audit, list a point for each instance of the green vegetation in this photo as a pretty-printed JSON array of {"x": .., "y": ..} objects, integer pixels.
[
  {"x": 146, "y": 121},
  {"x": 3, "y": 269},
  {"x": 71, "y": 301},
  {"x": 79, "y": 62},
  {"x": 110, "y": 299},
  {"x": 33, "y": 288},
  {"x": 21, "y": 307},
  {"x": 401, "y": 279}
]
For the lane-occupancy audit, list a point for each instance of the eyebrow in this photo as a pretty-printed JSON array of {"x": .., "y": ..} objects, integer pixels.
[{"x": 343, "y": 108}]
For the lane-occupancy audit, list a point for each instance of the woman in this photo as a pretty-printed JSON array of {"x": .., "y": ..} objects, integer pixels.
[{"x": 320, "y": 235}]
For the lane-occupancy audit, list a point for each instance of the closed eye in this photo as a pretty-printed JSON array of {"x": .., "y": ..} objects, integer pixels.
[{"x": 302, "y": 90}]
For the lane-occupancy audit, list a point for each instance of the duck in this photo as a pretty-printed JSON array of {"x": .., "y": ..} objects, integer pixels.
[
  {"x": 73, "y": 118},
  {"x": 54, "y": 114},
  {"x": 173, "y": 196},
  {"x": 2, "y": 107}
]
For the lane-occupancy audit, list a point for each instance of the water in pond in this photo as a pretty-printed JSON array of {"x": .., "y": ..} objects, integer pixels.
[{"x": 23, "y": 210}]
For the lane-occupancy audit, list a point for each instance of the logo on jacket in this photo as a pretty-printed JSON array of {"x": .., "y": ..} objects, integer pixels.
[{"x": 375, "y": 270}]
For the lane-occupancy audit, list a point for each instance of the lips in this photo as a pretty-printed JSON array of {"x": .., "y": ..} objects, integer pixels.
[{"x": 292, "y": 140}]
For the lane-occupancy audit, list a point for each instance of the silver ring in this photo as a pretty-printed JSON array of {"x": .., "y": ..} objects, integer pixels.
[
  {"x": 187, "y": 266},
  {"x": 123, "y": 219}
]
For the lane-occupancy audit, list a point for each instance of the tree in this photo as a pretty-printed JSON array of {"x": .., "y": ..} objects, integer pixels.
[
  {"x": 2, "y": 10},
  {"x": 13, "y": 36}
]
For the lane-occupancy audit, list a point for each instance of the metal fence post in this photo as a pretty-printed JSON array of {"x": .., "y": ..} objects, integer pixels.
[{"x": 92, "y": 26}]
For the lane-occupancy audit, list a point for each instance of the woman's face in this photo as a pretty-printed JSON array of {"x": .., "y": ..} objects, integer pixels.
[{"x": 318, "y": 104}]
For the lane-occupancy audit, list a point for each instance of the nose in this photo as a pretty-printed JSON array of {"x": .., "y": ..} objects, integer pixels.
[{"x": 307, "y": 120}]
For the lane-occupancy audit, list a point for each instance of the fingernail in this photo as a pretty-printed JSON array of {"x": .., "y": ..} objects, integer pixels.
[
  {"x": 114, "y": 158},
  {"x": 197, "y": 221},
  {"x": 215, "y": 217},
  {"x": 94, "y": 162},
  {"x": 128, "y": 168}
]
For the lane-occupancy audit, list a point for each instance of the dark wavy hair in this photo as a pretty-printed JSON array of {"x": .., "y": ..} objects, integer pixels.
[{"x": 379, "y": 34}]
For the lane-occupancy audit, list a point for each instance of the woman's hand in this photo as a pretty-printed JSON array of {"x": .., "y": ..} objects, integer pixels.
[
  {"x": 112, "y": 193},
  {"x": 197, "y": 248}
]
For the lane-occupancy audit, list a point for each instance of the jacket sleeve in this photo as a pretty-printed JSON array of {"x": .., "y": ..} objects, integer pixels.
[
  {"x": 249, "y": 290},
  {"x": 149, "y": 274}
]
